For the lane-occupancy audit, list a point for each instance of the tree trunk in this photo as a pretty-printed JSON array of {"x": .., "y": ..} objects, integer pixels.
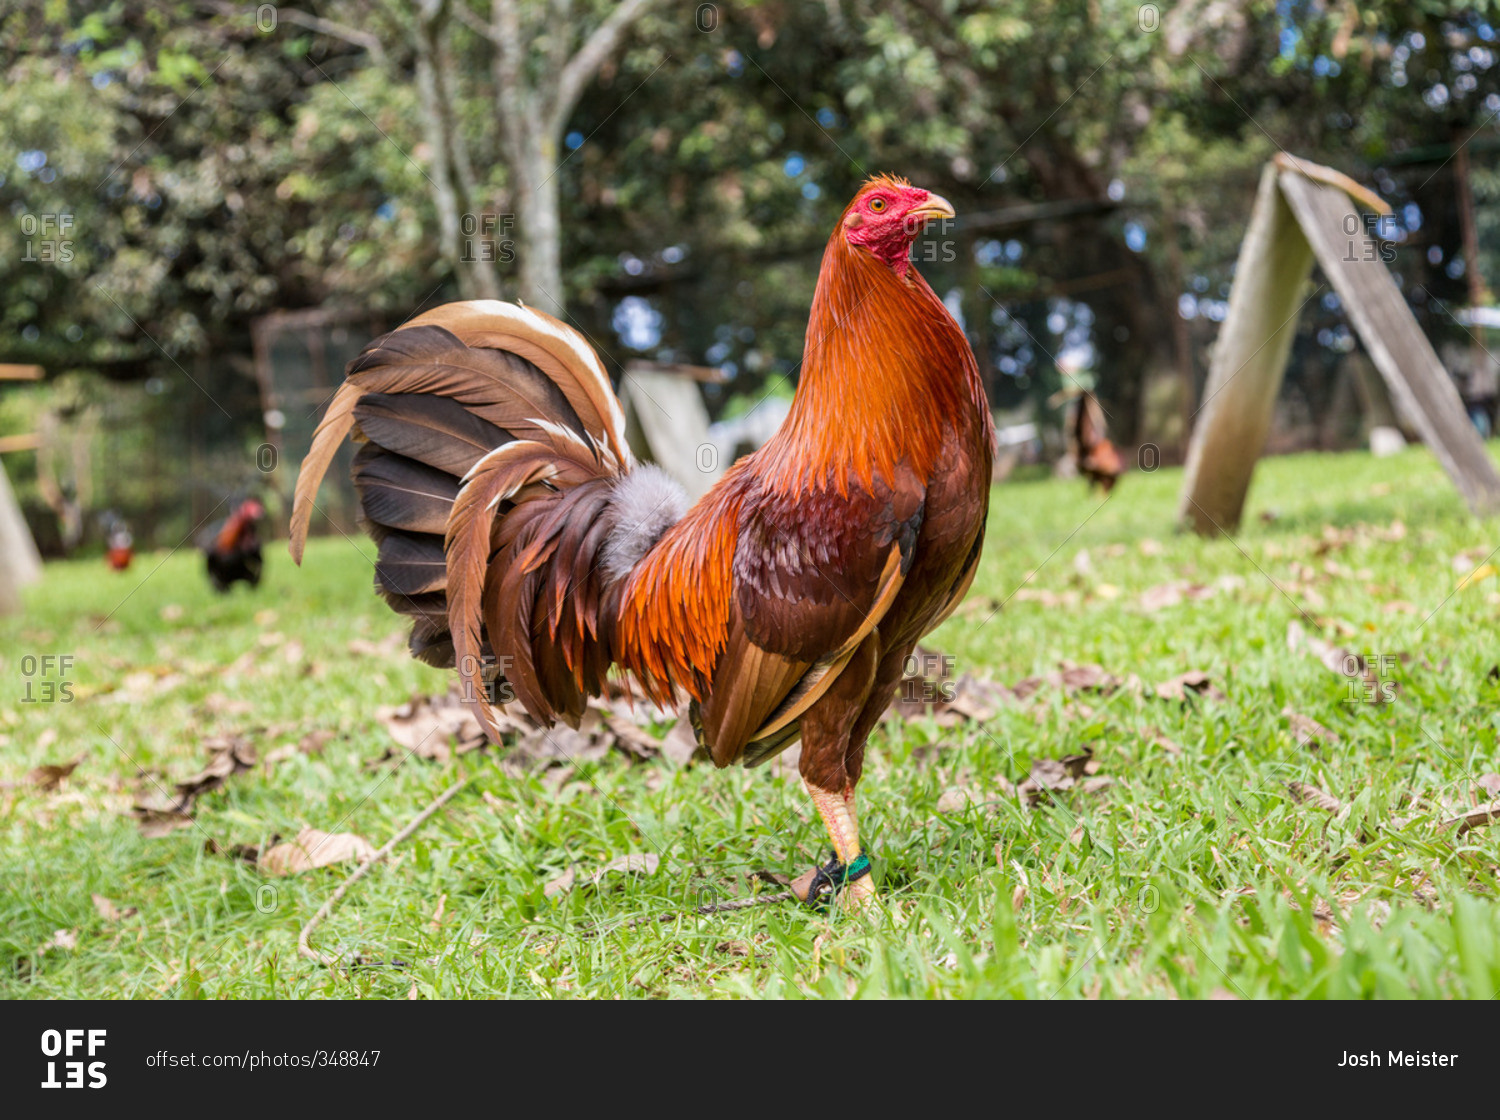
[
  {"x": 461, "y": 232},
  {"x": 538, "y": 222}
]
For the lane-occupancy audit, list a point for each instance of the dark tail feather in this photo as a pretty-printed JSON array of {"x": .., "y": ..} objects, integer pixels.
[{"x": 492, "y": 474}]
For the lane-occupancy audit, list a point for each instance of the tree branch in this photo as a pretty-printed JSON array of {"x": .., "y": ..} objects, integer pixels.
[
  {"x": 475, "y": 22},
  {"x": 582, "y": 67}
]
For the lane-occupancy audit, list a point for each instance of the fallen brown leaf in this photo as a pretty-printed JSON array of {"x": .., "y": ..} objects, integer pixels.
[
  {"x": 1154, "y": 735},
  {"x": 680, "y": 744},
  {"x": 562, "y": 884},
  {"x": 1195, "y": 681},
  {"x": 389, "y": 646},
  {"x": 109, "y": 911},
  {"x": 315, "y": 848},
  {"x": 629, "y": 734},
  {"x": 1474, "y": 818},
  {"x": 429, "y": 726},
  {"x": 227, "y": 755},
  {"x": 636, "y": 863},
  {"x": 1311, "y": 795},
  {"x": 1309, "y": 730},
  {"x": 1053, "y": 775},
  {"x": 65, "y": 940},
  {"x": 954, "y": 801},
  {"x": 49, "y": 776}
]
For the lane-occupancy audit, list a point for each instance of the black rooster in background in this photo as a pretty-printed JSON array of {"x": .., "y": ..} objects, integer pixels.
[{"x": 232, "y": 549}]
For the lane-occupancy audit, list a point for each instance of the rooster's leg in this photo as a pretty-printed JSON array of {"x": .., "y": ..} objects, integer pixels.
[
  {"x": 848, "y": 873},
  {"x": 830, "y": 771}
]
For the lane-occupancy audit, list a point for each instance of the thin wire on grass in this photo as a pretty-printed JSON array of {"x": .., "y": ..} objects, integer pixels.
[
  {"x": 328, "y": 960},
  {"x": 593, "y": 929}
]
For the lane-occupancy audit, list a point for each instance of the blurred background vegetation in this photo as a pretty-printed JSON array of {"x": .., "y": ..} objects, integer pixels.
[{"x": 197, "y": 191}]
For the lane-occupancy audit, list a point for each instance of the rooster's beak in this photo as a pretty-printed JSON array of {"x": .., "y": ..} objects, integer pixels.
[{"x": 936, "y": 206}]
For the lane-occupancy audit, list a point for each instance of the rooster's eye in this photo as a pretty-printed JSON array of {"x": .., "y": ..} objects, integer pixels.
[{"x": 877, "y": 204}]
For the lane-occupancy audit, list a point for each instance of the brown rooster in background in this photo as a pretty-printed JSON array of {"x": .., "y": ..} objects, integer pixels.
[
  {"x": 231, "y": 549},
  {"x": 515, "y": 527},
  {"x": 1097, "y": 459}
]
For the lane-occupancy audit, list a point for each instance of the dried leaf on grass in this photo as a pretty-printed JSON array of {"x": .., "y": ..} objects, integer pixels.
[
  {"x": 1306, "y": 794},
  {"x": 1194, "y": 681},
  {"x": 49, "y": 776},
  {"x": 1478, "y": 575},
  {"x": 1309, "y": 731},
  {"x": 159, "y": 814},
  {"x": 315, "y": 848},
  {"x": 63, "y": 940},
  {"x": 562, "y": 883},
  {"x": 680, "y": 744},
  {"x": 635, "y": 863},
  {"x": 1165, "y": 595},
  {"x": 1054, "y": 775},
  {"x": 1155, "y": 735},
  {"x": 389, "y": 646},
  {"x": 111, "y": 912},
  {"x": 227, "y": 755},
  {"x": 955, "y": 800},
  {"x": 1481, "y": 817},
  {"x": 431, "y": 726},
  {"x": 1075, "y": 678}
]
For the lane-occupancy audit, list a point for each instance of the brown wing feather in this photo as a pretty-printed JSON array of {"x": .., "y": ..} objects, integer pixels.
[{"x": 814, "y": 573}]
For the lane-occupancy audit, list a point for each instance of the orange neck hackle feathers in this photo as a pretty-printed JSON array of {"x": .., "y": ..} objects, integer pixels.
[{"x": 885, "y": 367}]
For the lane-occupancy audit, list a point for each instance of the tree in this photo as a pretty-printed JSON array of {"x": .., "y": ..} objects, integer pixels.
[{"x": 541, "y": 58}]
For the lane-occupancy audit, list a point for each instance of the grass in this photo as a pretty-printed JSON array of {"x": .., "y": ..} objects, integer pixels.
[{"x": 1196, "y": 872}]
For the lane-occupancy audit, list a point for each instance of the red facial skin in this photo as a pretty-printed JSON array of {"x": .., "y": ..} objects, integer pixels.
[{"x": 878, "y": 221}]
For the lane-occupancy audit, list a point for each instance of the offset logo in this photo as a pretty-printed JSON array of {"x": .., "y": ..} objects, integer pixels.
[{"x": 74, "y": 1046}]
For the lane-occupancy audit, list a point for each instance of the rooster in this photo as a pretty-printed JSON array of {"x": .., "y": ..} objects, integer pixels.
[
  {"x": 1096, "y": 457},
  {"x": 119, "y": 547},
  {"x": 232, "y": 549},
  {"x": 535, "y": 553}
]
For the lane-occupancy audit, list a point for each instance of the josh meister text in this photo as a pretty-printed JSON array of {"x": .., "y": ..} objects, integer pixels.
[{"x": 1397, "y": 1058}]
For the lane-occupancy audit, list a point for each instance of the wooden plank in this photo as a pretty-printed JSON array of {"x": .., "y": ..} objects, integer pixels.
[
  {"x": 30, "y": 441},
  {"x": 1249, "y": 360},
  {"x": 667, "y": 422},
  {"x": 9, "y": 372},
  {"x": 1389, "y": 332},
  {"x": 20, "y": 563}
]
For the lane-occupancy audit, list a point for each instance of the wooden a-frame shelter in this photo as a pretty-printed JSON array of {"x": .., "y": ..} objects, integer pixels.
[{"x": 1305, "y": 213}]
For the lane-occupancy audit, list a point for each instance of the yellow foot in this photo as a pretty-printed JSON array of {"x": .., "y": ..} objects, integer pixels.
[
  {"x": 851, "y": 898},
  {"x": 858, "y": 897}
]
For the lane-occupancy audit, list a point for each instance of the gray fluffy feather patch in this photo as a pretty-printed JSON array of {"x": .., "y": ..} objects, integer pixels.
[{"x": 648, "y": 502}]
